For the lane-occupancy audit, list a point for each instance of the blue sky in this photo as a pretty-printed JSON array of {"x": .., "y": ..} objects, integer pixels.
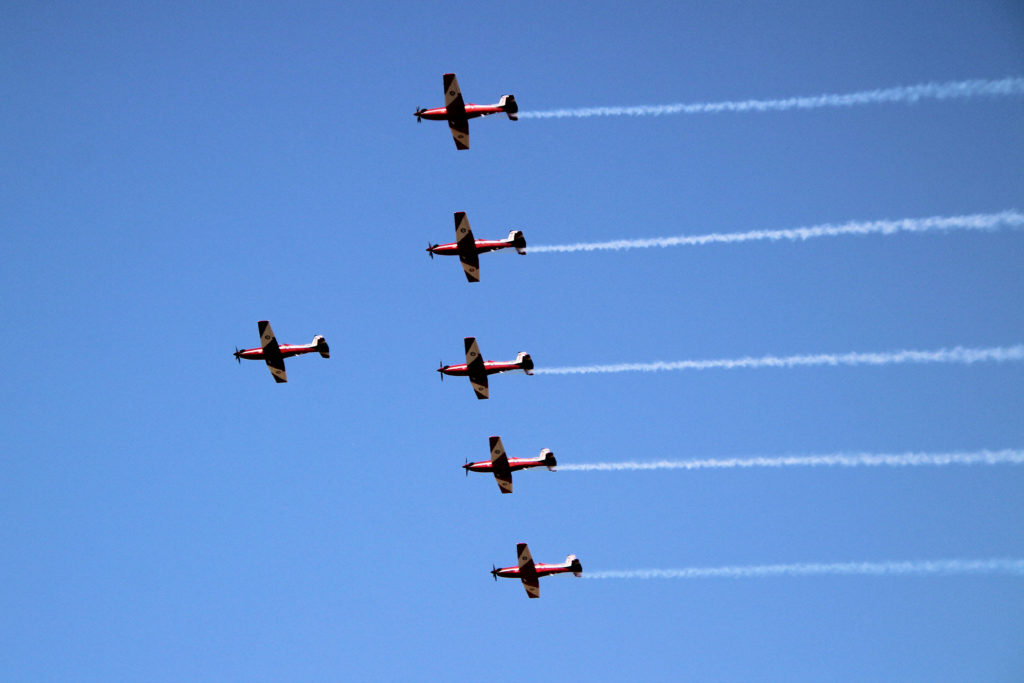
[{"x": 174, "y": 174}]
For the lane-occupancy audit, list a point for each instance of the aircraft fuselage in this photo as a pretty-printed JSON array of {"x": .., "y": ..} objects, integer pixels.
[
  {"x": 472, "y": 111},
  {"x": 481, "y": 246},
  {"x": 287, "y": 351},
  {"x": 491, "y": 367},
  {"x": 514, "y": 464},
  {"x": 541, "y": 569}
]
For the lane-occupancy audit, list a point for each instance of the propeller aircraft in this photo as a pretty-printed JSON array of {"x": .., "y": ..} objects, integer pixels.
[
  {"x": 529, "y": 572},
  {"x": 467, "y": 248},
  {"x": 458, "y": 113},
  {"x": 274, "y": 353},
  {"x": 503, "y": 466},
  {"x": 477, "y": 369}
]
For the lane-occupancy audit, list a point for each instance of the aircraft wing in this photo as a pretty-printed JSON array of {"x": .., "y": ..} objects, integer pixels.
[
  {"x": 276, "y": 366},
  {"x": 460, "y": 131},
  {"x": 475, "y": 368},
  {"x": 527, "y": 571},
  {"x": 467, "y": 247},
  {"x": 524, "y": 556},
  {"x": 456, "y": 108},
  {"x": 479, "y": 383},
  {"x": 267, "y": 339},
  {"x": 453, "y": 94},
  {"x": 499, "y": 465},
  {"x": 272, "y": 352}
]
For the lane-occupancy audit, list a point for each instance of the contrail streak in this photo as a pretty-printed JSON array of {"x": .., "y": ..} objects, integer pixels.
[
  {"x": 913, "y": 568},
  {"x": 1003, "y": 457},
  {"x": 1013, "y": 85},
  {"x": 977, "y": 221},
  {"x": 957, "y": 354}
]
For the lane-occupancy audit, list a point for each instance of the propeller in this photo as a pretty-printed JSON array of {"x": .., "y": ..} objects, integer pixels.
[
  {"x": 419, "y": 114},
  {"x": 494, "y": 572},
  {"x": 430, "y": 250},
  {"x": 466, "y": 467},
  {"x": 238, "y": 355},
  {"x": 440, "y": 369}
]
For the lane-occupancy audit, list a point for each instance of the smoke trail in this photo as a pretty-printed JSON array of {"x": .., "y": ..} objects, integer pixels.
[
  {"x": 957, "y": 354},
  {"x": 1003, "y": 457},
  {"x": 1013, "y": 85},
  {"x": 978, "y": 221},
  {"x": 913, "y": 568}
]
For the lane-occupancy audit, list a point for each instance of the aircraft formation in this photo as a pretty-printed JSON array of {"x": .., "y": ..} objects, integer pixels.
[
  {"x": 457, "y": 113},
  {"x": 468, "y": 249}
]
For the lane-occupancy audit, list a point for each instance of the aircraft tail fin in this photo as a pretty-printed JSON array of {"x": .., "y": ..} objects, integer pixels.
[
  {"x": 525, "y": 362},
  {"x": 574, "y": 565},
  {"x": 517, "y": 240},
  {"x": 321, "y": 345},
  {"x": 549, "y": 459},
  {"x": 509, "y": 106}
]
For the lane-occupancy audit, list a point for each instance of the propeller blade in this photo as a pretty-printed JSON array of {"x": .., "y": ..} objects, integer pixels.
[
  {"x": 419, "y": 114},
  {"x": 440, "y": 367},
  {"x": 430, "y": 250},
  {"x": 238, "y": 355},
  {"x": 466, "y": 467},
  {"x": 494, "y": 572}
]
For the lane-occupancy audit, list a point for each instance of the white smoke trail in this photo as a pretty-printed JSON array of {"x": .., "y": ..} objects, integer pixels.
[
  {"x": 912, "y": 568},
  {"x": 957, "y": 354},
  {"x": 1003, "y": 457},
  {"x": 1013, "y": 85},
  {"x": 978, "y": 221}
]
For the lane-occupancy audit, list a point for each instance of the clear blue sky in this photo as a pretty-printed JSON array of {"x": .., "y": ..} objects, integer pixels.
[{"x": 173, "y": 173}]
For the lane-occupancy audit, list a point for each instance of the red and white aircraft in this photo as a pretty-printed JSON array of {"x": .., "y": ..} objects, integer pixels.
[
  {"x": 477, "y": 369},
  {"x": 274, "y": 353},
  {"x": 503, "y": 466},
  {"x": 457, "y": 113},
  {"x": 528, "y": 572},
  {"x": 468, "y": 248}
]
